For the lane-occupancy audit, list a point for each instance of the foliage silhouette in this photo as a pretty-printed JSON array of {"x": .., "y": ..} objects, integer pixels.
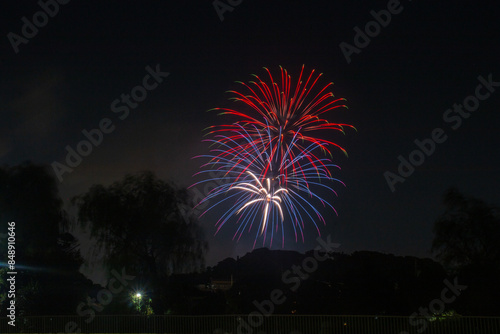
[
  {"x": 138, "y": 224},
  {"x": 466, "y": 242},
  {"x": 467, "y": 233},
  {"x": 47, "y": 256}
]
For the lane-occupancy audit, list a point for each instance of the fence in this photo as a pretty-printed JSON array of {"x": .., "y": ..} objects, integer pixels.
[{"x": 255, "y": 323}]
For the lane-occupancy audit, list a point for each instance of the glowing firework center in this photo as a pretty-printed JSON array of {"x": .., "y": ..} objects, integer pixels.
[{"x": 267, "y": 194}]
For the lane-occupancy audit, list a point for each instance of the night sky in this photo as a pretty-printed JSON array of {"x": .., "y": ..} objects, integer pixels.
[{"x": 399, "y": 87}]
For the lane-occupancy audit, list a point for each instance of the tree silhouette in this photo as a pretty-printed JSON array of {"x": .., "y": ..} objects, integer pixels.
[
  {"x": 467, "y": 243},
  {"x": 29, "y": 195},
  {"x": 47, "y": 258},
  {"x": 467, "y": 233},
  {"x": 138, "y": 225}
]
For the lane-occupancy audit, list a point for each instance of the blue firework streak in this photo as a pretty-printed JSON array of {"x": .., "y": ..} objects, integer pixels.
[{"x": 266, "y": 185}]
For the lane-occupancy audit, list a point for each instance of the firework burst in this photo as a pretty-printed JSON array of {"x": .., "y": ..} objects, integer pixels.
[
  {"x": 284, "y": 112},
  {"x": 269, "y": 159}
]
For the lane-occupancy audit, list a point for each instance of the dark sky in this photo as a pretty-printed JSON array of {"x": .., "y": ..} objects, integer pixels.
[{"x": 64, "y": 78}]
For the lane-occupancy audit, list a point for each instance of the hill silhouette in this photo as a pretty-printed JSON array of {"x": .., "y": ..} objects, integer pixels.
[{"x": 363, "y": 282}]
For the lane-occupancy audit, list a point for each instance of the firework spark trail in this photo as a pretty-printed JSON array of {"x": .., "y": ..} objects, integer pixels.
[
  {"x": 254, "y": 185},
  {"x": 271, "y": 161},
  {"x": 283, "y": 114}
]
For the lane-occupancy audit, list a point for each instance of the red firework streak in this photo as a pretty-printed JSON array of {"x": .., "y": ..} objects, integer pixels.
[{"x": 279, "y": 115}]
